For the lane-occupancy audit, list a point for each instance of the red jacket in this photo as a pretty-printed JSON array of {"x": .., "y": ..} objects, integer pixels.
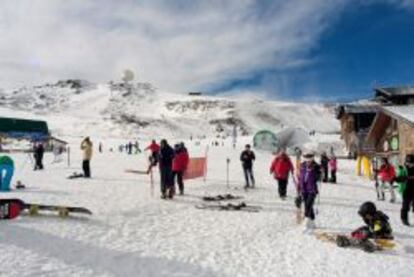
[
  {"x": 154, "y": 147},
  {"x": 386, "y": 173},
  {"x": 180, "y": 161},
  {"x": 281, "y": 166}
]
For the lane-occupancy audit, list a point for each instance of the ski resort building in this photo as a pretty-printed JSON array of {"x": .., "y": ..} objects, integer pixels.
[
  {"x": 394, "y": 95},
  {"x": 392, "y": 132},
  {"x": 23, "y": 129},
  {"x": 356, "y": 119}
]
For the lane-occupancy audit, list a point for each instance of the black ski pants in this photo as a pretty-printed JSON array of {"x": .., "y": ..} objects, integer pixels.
[
  {"x": 333, "y": 176},
  {"x": 166, "y": 176},
  {"x": 248, "y": 174},
  {"x": 282, "y": 184},
  {"x": 408, "y": 199},
  {"x": 86, "y": 166},
  {"x": 325, "y": 173},
  {"x": 179, "y": 176},
  {"x": 309, "y": 201}
]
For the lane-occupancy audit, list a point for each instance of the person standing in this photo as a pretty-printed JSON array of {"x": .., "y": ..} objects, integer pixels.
[
  {"x": 6, "y": 172},
  {"x": 332, "y": 168},
  {"x": 39, "y": 151},
  {"x": 386, "y": 173},
  {"x": 405, "y": 177},
  {"x": 280, "y": 168},
  {"x": 87, "y": 148},
  {"x": 179, "y": 165},
  {"x": 309, "y": 176},
  {"x": 324, "y": 167},
  {"x": 153, "y": 158},
  {"x": 247, "y": 157},
  {"x": 166, "y": 155}
]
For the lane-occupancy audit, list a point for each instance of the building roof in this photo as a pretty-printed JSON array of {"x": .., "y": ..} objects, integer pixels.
[
  {"x": 395, "y": 91},
  {"x": 23, "y": 128},
  {"x": 405, "y": 113},
  {"x": 356, "y": 108}
]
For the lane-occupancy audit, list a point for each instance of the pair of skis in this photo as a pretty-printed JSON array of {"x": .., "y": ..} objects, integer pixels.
[{"x": 12, "y": 208}]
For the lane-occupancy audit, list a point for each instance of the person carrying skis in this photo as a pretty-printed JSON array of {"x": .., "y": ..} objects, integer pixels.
[
  {"x": 377, "y": 223},
  {"x": 153, "y": 158},
  {"x": 386, "y": 173},
  {"x": 87, "y": 148},
  {"x": 405, "y": 178},
  {"x": 324, "y": 167},
  {"x": 179, "y": 165},
  {"x": 310, "y": 173},
  {"x": 332, "y": 164},
  {"x": 280, "y": 168},
  {"x": 247, "y": 157},
  {"x": 165, "y": 158},
  {"x": 6, "y": 172}
]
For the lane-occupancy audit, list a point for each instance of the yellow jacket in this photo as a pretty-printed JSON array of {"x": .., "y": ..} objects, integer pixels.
[{"x": 86, "y": 146}]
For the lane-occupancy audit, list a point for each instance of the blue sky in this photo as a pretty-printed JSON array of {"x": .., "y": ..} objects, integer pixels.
[{"x": 305, "y": 50}]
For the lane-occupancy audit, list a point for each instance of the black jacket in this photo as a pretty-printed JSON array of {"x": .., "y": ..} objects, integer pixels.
[
  {"x": 247, "y": 158},
  {"x": 166, "y": 156},
  {"x": 379, "y": 226}
]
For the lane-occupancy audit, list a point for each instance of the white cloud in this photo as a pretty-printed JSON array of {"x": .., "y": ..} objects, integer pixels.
[{"x": 177, "y": 45}]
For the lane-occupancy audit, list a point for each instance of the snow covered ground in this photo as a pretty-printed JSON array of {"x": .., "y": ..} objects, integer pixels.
[{"x": 132, "y": 233}]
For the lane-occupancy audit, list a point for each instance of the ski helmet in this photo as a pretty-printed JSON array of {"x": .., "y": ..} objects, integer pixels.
[{"x": 367, "y": 208}]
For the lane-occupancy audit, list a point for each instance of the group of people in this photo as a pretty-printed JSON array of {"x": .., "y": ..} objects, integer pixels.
[
  {"x": 172, "y": 163},
  {"x": 130, "y": 148},
  {"x": 385, "y": 176}
]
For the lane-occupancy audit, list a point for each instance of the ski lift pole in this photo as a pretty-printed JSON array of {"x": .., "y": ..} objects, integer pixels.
[
  {"x": 68, "y": 151},
  {"x": 227, "y": 171}
]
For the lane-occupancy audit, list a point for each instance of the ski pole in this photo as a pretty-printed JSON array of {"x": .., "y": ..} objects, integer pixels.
[{"x": 227, "y": 172}]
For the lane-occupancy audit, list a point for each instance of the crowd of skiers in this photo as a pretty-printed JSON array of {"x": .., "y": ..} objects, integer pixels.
[
  {"x": 172, "y": 164},
  {"x": 129, "y": 148}
]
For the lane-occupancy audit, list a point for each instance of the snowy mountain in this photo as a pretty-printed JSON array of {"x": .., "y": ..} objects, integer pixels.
[{"x": 141, "y": 110}]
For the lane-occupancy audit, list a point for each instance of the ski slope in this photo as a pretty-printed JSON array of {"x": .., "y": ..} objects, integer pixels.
[{"x": 133, "y": 233}]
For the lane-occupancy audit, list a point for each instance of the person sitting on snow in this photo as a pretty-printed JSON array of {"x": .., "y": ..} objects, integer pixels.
[{"x": 377, "y": 224}]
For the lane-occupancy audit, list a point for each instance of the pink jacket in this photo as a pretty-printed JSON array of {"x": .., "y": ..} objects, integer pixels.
[{"x": 332, "y": 164}]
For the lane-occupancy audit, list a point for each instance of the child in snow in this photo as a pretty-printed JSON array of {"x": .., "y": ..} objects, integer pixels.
[
  {"x": 386, "y": 173},
  {"x": 310, "y": 173},
  {"x": 377, "y": 225},
  {"x": 332, "y": 168}
]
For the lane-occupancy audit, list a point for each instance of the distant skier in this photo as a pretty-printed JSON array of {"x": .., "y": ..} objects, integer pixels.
[
  {"x": 136, "y": 145},
  {"x": 405, "y": 177},
  {"x": 87, "y": 148},
  {"x": 100, "y": 148},
  {"x": 280, "y": 168},
  {"x": 247, "y": 157},
  {"x": 333, "y": 165},
  {"x": 386, "y": 174},
  {"x": 129, "y": 148},
  {"x": 166, "y": 155},
  {"x": 309, "y": 176},
  {"x": 6, "y": 172},
  {"x": 324, "y": 167},
  {"x": 153, "y": 158},
  {"x": 39, "y": 151},
  {"x": 179, "y": 165}
]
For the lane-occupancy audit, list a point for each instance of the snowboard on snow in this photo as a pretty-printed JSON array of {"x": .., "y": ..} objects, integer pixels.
[
  {"x": 75, "y": 175},
  {"x": 242, "y": 206},
  {"x": 220, "y": 197},
  {"x": 12, "y": 208},
  {"x": 367, "y": 245},
  {"x": 144, "y": 172}
]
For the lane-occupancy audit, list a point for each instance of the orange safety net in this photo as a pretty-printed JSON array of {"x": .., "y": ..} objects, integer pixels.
[{"x": 197, "y": 167}]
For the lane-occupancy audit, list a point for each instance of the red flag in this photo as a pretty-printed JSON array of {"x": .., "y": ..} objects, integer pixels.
[{"x": 197, "y": 167}]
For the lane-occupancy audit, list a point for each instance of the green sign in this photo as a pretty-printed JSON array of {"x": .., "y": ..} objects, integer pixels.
[{"x": 395, "y": 143}]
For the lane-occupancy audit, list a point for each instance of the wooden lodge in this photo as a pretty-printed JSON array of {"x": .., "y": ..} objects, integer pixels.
[
  {"x": 356, "y": 119},
  {"x": 394, "y": 95},
  {"x": 392, "y": 132}
]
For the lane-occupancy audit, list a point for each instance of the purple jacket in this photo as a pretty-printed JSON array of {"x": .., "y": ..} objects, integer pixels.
[{"x": 308, "y": 178}]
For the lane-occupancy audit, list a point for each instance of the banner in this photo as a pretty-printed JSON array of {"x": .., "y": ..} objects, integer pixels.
[{"x": 197, "y": 167}]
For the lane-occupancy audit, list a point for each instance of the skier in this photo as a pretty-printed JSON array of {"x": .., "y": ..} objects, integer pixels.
[
  {"x": 386, "y": 174},
  {"x": 136, "y": 145},
  {"x": 310, "y": 173},
  {"x": 57, "y": 154},
  {"x": 377, "y": 225},
  {"x": 332, "y": 164},
  {"x": 165, "y": 158},
  {"x": 324, "y": 167},
  {"x": 6, "y": 172},
  {"x": 179, "y": 165},
  {"x": 87, "y": 148},
  {"x": 280, "y": 168},
  {"x": 129, "y": 148},
  {"x": 405, "y": 177},
  {"x": 153, "y": 158},
  {"x": 39, "y": 151},
  {"x": 247, "y": 157},
  {"x": 100, "y": 147}
]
